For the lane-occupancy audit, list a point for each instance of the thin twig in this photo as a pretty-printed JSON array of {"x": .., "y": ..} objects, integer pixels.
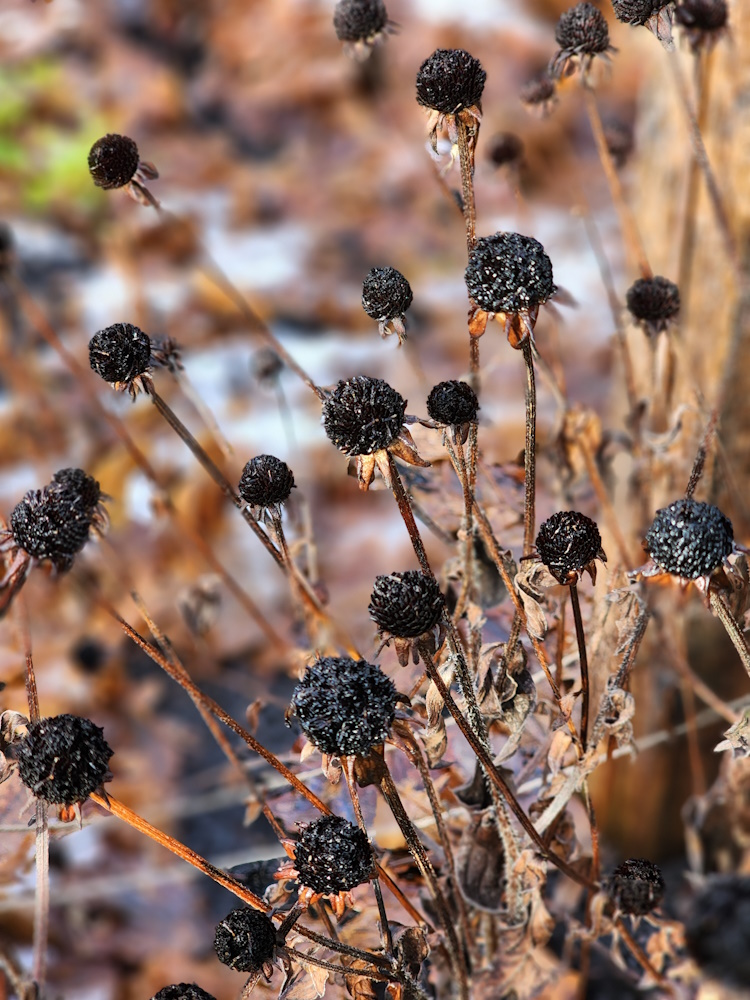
[
  {"x": 583, "y": 660},
  {"x": 720, "y": 607},
  {"x": 529, "y": 454}
]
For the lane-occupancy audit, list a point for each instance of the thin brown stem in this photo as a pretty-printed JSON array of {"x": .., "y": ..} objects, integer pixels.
[
  {"x": 642, "y": 958},
  {"x": 466, "y": 162},
  {"x": 702, "y": 65},
  {"x": 41, "y": 896},
  {"x": 583, "y": 659},
  {"x": 404, "y": 506},
  {"x": 723, "y": 612},
  {"x": 529, "y": 454}
]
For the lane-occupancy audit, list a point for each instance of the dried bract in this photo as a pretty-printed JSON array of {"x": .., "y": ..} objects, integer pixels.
[{"x": 63, "y": 759}]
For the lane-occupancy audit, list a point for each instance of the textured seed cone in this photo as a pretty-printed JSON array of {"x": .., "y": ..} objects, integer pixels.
[
  {"x": 332, "y": 855},
  {"x": 182, "y": 991},
  {"x": 359, "y": 20},
  {"x": 120, "y": 353},
  {"x": 582, "y": 29},
  {"x": 505, "y": 149},
  {"x": 406, "y": 605},
  {"x": 637, "y": 11},
  {"x": 386, "y": 294},
  {"x": 450, "y": 80},
  {"x": 653, "y": 301},
  {"x": 509, "y": 273},
  {"x": 245, "y": 940},
  {"x": 689, "y": 539},
  {"x": 77, "y": 484},
  {"x": 363, "y": 415},
  {"x": 567, "y": 543},
  {"x": 265, "y": 481},
  {"x": 113, "y": 161},
  {"x": 345, "y": 707},
  {"x": 452, "y": 403},
  {"x": 717, "y": 929},
  {"x": 636, "y": 886},
  {"x": 63, "y": 759},
  {"x": 702, "y": 15}
]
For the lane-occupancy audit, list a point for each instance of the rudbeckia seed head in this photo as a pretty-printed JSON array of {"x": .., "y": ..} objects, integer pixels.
[
  {"x": 245, "y": 940},
  {"x": 717, "y": 929},
  {"x": 113, "y": 161},
  {"x": 567, "y": 543},
  {"x": 449, "y": 81},
  {"x": 359, "y": 20},
  {"x": 182, "y": 991},
  {"x": 689, "y": 539},
  {"x": 452, "y": 403},
  {"x": 509, "y": 273},
  {"x": 386, "y": 294},
  {"x": 363, "y": 415},
  {"x": 406, "y": 605},
  {"x": 265, "y": 481},
  {"x": 702, "y": 15},
  {"x": 63, "y": 759},
  {"x": 120, "y": 353},
  {"x": 332, "y": 855},
  {"x": 636, "y": 886},
  {"x": 637, "y": 11},
  {"x": 653, "y": 302},
  {"x": 582, "y": 30}
]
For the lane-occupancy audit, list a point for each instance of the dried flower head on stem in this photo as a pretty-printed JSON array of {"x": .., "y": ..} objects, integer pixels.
[
  {"x": 408, "y": 609},
  {"x": 654, "y": 303},
  {"x": 703, "y": 22},
  {"x": 582, "y": 35},
  {"x": 386, "y": 295},
  {"x": 114, "y": 162},
  {"x": 361, "y": 25}
]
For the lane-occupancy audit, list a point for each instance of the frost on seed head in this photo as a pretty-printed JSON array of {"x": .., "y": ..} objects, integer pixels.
[
  {"x": 689, "y": 539},
  {"x": 63, "y": 759},
  {"x": 332, "y": 855},
  {"x": 245, "y": 940},
  {"x": 450, "y": 80},
  {"x": 509, "y": 273},
  {"x": 363, "y": 415}
]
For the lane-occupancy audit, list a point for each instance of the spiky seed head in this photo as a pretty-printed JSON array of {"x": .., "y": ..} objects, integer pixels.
[
  {"x": 568, "y": 542},
  {"x": 653, "y": 301},
  {"x": 509, "y": 273},
  {"x": 386, "y": 294},
  {"x": 717, "y": 929},
  {"x": 77, "y": 485},
  {"x": 359, "y": 20},
  {"x": 265, "y": 481},
  {"x": 702, "y": 15},
  {"x": 505, "y": 149},
  {"x": 63, "y": 759},
  {"x": 406, "y": 605},
  {"x": 345, "y": 706},
  {"x": 582, "y": 30},
  {"x": 449, "y": 81},
  {"x": 120, "y": 353},
  {"x": 113, "y": 161},
  {"x": 363, "y": 415},
  {"x": 182, "y": 991},
  {"x": 636, "y": 886},
  {"x": 452, "y": 403},
  {"x": 689, "y": 539},
  {"x": 637, "y": 11},
  {"x": 332, "y": 855},
  {"x": 245, "y": 940}
]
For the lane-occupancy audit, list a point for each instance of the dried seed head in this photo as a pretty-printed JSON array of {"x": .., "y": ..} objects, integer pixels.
[
  {"x": 453, "y": 403},
  {"x": 265, "y": 481},
  {"x": 245, "y": 940},
  {"x": 386, "y": 294},
  {"x": 345, "y": 707},
  {"x": 77, "y": 485},
  {"x": 702, "y": 15},
  {"x": 539, "y": 95},
  {"x": 406, "y": 604},
  {"x": 363, "y": 415},
  {"x": 449, "y": 81},
  {"x": 63, "y": 759},
  {"x": 653, "y": 302},
  {"x": 182, "y": 991},
  {"x": 637, "y": 11},
  {"x": 332, "y": 855},
  {"x": 689, "y": 539},
  {"x": 120, "y": 353},
  {"x": 359, "y": 20},
  {"x": 619, "y": 138},
  {"x": 567, "y": 543},
  {"x": 509, "y": 273},
  {"x": 505, "y": 149},
  {"x": 717, "y": 929},
  {"x": 113, "y": 161},
  {"x": 636, "y": 886},
  {"x": 582, "y": 30}
]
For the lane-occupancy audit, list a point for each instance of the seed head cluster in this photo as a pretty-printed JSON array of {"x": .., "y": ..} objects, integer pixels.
[
  {"x": 568, "y": 542},
  {"x": 689, "y": 539},
  {"x": 245, "y": 940},
  {"x": 63, "y": 759},
  {"x": 345, "y": 706},
  {"x": 332, "y": 855},
  {"x": 359, "y": 20},
  {"x": 363, "y": 415},
  {"x": 113, "y": 161},
  {"x": 509, "y": 273},
  {"x": 182, "y": 991},
  {"x": 120, "y": 353},
  {"x": 266, "y": 481},
  {"x": 449, "y": 81},
  {"x": 717, "y": 929},
  {"x": 582, "y": 30},
  {"x": 637, "y": 11},
  {"x": 653, "y": 302},
  {"x": 406, "y": 605},
  {"x": 453, "y": 403},
  {"x": 386, "y": 294},
  {"x": 636, "y": 886}
]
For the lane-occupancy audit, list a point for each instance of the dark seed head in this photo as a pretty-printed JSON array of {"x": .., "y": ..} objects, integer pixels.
[
  {"x": 113, "y": 161},
  {"x": 636, "y": 886},
  {"x": 120, "y": 353},
  {"x": 653, "y": 302},
  {"x": 386, "y": 293},
  {"x": 266, "y": 480},
  {"x": 568, "y": 542},
  {"x": 702, "y": 15},
  {"x": 505, "y": 149},
  {"x": 539, "y": 94},
  {"x": 450, "y": 80},
  {"x": 619, "y": 138},
  {"x": 689, "y": 539},
  {"x": 363, "y": 415},
  {"x": 345, "y": 707},
  {"x": 332, "y": 855},
  {"x": 245, "y": 940},
  {"x": 637, "y": 11},
  {"x": 452, "y": 403},
  {"x": 509, "y": 273},
  {"x": 582, "y": 30},
  {"x": 63, "y": 759},
  {"x": 182, "y": 991},
  {"x": 717, "y": 929},
  {"x": 358, "y": 20},
  {"x": 406, "y": 604},
  {"x": 77, "y": 485}
]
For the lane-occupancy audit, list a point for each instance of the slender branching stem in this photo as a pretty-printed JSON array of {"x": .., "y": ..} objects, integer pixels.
[
  {"x": 458, "y": 460},
  {"x": 305, "y": 958},
  {"x": 583, "y": 659},
  {"x": 466, "y": 163},
  {"x": 720, "y": 607},
  {"x": 529, "y": 454},
  {"x": 642, "y": 958},
  {"x": 404, "y": 506}
]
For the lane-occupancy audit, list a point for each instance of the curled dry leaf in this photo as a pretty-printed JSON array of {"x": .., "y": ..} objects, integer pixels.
[
  {"x": 12, "y": 728},
  {"x": 737, "y": 737},
  {"x": 412, "y": 949},
  {"x": 530, "y": 581},
  {"x": 360, "y": 987},
  {"x": 480, "y": 863},
  {"x": 615, "y": 717},
  {"x": 306, "y": 982}
]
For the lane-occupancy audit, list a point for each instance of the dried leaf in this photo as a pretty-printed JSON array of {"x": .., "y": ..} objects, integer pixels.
[
  {"x": 480, "y": 863},
  {"x": 529, "y": 581},
  {"x": 559, "y": 746},
  {"x": 435, "y": 742},
  {"x": 12, "y": 727},
  {"x": 360, "y": 987},
  {"x": 737, "y": 737},
  {"x": 305, "y": 983}
]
